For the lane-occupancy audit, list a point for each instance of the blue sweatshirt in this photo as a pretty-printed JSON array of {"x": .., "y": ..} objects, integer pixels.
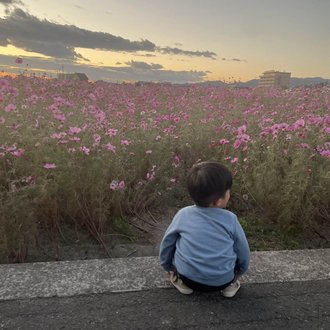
[{"x": 206, "y": 245}]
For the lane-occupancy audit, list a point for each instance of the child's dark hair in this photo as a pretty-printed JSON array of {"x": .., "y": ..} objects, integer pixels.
[{"x": 207, "y": 182}]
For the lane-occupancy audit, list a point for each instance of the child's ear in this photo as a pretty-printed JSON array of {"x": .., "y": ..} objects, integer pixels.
[{"x": 219, "y": 202}]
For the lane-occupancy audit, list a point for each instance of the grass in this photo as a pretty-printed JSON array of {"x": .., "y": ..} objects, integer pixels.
[{"x": 87, "y": 158}]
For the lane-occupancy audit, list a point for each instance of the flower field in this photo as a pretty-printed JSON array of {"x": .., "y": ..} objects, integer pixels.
[{"x": 81, "y": 155}]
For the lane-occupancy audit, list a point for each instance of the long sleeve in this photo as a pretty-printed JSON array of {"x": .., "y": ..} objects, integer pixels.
[
  {"x": 241, "y": 247},
  {"x": 205, "y": 244},
  {"x": 167, "y": 248}
]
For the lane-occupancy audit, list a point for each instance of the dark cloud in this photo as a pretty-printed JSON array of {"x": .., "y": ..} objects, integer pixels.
[
  {"x": 233, "y": 60},
  {"x": 178, "y": 51},
  {"x": 10, "y": 2},
  {"x": 3, "y": 41},
  {"x": 145, "y": 55},
  {"x": 25, "y": 31},
  {"x": 111, "y": 74},
  {"x": 144, "y": 65},
  {"x": 30, "y": 33}
]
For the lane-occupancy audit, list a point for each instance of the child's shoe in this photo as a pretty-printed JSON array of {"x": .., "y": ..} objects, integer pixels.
[
  {"x": 178, "y": 284},
  {"x": 231, "y": 290}
]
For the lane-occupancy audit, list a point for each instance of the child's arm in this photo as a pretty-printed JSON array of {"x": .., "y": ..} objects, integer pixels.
[
  {"x": 241, "y": 247},
  {"x": 167, "y": 248}
]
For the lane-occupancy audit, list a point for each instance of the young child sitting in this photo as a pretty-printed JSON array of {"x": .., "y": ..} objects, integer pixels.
[{"x": 205, "y": 248}]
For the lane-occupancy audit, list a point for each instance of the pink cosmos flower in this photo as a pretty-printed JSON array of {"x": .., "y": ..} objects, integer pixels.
[
  {"x": 303, "y": 145},
  {"x": 59, "y": 116},
  {"x": 92, "y": 97},
  {"x": 85, "y": 150},
  {"x": 75, "y": 139},
  {"x": 111, "y": 147},
  {"x": 2, "y": 120},
  {"x": 117, "y": 185},
  {"x": 10, "y": 107},
  {"x": 300, "y": 122},
  {"x": 125, "y": 142},
  {"x": 15, "y": 126},
  {"x": 114, "y": 185},
  {"x": 18, "y": 152},
  {"x": 97, "y": 138},
  {"x": 111, "y": 132},
  {"x": 234, "y": 160},
  {"x": 49, "y": 166},
  {"x": 237, "y": 144},
  {"x": 151, "y": 174},
  {"x": 244, "y": 138},
  {"x": 325, "y": 153},
  {"x": 74, "y": 130},
  {"x": 223, "y": 141},
  {"x": 241, "y": 129}
]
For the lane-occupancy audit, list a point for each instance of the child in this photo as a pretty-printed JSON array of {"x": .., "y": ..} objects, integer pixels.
[{"x": 205, "y": 248}]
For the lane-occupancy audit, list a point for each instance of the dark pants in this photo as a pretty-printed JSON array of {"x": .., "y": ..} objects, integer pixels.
[{"x": 202, "y": 287}]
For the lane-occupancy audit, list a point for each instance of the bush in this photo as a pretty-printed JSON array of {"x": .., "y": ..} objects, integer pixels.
[{"x": 83, "y": 155}]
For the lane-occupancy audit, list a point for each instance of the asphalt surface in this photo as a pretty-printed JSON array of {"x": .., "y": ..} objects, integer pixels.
[
  {"x": 282, "y": 290},
  {"x": 292, "y": 305}
]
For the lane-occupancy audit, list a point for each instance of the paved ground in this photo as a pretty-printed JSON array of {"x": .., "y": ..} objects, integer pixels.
[
  {"x": 295, "y": 305},
  {"x": 284, "y": 290}
]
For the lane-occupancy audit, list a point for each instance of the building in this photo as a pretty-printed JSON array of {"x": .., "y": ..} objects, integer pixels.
[
  {"x": 275, "y": 79},
  {"x": 73, "y": 76}
]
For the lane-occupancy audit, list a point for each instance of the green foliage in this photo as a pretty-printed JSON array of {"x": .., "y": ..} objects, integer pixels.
[{"x": 160, "y": 133}]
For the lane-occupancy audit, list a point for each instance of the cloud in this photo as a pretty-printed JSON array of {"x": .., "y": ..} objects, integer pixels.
[
  {"x": 144, "y": 65},
  {"x": 28, "y": 32},
  {"x": 132, "y": 72},
  {"x": 25, "y": 31},
  {"x": 233, "y": 60},
  {"x": 178, "y": 51},
  {"x": 145, "y": 55},
  {"x": 10, "y": 2}
]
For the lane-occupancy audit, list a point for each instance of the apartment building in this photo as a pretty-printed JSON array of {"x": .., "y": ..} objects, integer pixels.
[{"x": 275, "y": 79}]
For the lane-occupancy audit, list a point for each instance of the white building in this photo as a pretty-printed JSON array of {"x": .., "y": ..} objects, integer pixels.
[{"x": 275, "y": 79}]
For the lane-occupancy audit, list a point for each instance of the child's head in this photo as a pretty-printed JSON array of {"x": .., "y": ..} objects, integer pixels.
[{"x": 208, "y": 182}]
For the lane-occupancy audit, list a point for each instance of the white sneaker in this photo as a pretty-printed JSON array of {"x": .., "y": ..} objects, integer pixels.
[
  {"x": 179, "y": 285},
  {"x": 231, "y": 290}
]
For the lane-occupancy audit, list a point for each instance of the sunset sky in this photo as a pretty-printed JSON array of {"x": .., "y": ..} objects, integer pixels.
[{"x": 172, "y": 40}]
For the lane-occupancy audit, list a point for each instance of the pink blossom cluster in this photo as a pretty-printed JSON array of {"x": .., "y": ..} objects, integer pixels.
[{"x": 76, "y": 121}]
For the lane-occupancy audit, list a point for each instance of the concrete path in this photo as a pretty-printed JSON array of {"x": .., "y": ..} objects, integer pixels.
[{"x": 283, "y": 290}]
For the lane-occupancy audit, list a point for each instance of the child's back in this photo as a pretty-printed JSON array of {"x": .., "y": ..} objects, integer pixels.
[{"x": 205, "y": 244}]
